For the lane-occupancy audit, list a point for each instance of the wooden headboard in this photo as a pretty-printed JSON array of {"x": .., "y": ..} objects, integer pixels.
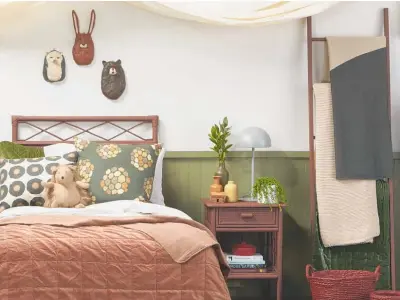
[{"x": 46, "y": 130}]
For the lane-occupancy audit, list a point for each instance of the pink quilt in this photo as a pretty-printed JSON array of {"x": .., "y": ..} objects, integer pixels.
[{"x": 104, "y": 258}]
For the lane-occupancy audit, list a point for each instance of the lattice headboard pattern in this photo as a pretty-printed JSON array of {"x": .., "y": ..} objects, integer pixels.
[{"x": 45, "y": 130}]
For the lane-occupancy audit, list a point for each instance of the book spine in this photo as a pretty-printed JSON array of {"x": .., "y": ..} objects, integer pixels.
[
  {"x": 251, "y": 270},
  {"x": 238, "y": 257},
  {"x": 248, "y": 266},
  {"x": 256, "y": 262},
  {"x": 248, "y": 260}
]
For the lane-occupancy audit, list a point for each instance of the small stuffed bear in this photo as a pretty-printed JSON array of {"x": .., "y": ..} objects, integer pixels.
[{"x": 63, "y": 190}]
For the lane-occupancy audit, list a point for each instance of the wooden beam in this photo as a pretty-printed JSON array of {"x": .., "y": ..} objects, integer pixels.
[
  {"x": 391, "y": 189},
  {"x": 311, "y": 127}
]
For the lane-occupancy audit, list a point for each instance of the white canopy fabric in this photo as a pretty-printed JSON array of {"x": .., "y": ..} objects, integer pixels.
[
  {"x": 233, "y": 13},
  {"x": 227, "y": 13}
]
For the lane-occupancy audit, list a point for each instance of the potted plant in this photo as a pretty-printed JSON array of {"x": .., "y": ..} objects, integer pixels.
[
  {"x": 219, "y": 135},
  {"x": 268, "y": 190}
]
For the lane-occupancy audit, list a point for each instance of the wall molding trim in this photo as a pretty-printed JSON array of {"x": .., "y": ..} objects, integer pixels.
[
  {"x": 246, "y": 154},
  {"x": 238, "y": 154}
]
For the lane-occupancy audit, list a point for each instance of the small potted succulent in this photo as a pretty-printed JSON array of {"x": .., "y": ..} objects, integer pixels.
[
  {"x": 219, "y": 135},
  {"x": 268, "y": 190}
]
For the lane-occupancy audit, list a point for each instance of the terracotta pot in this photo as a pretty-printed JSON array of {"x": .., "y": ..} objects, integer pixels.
[{"x": 216, "y": 186}]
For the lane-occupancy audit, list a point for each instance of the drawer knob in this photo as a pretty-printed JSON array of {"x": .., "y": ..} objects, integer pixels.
[{"x": 246, "y": 215}]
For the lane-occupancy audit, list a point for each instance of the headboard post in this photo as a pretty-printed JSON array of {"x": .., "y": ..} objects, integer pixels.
[
  {"x": 155, "y": 129},
  {"x": 14, "y": 127}
]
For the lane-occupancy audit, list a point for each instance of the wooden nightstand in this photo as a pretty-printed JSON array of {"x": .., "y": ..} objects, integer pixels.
[{"x": 251, "y": 217}]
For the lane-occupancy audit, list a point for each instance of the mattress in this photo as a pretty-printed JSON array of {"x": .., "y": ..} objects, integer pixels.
[{"x": 123, "y": 250}]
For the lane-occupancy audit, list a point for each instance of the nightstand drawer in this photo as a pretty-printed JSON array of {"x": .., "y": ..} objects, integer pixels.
[{"x": 247, "y": 217}]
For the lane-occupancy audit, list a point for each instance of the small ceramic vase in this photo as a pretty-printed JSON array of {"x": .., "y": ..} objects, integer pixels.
[
  {"x": 223, "y": 173},
  {"x": 231, "y": 191},
  {"x": 216, "y": 186}
]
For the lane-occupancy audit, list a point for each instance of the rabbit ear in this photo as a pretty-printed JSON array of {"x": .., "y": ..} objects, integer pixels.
[
  {"x": 92, "y": 21},
  {"x": 118, "y": 62},
  {"x": 104, "y": 63},
  {"x": 75, "y": 20}
]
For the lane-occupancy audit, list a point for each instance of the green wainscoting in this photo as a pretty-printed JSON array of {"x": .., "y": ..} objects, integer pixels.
[
  {"x": 187, "y": 178},
  {"x": 188, "y": 175},
  {"x": 396, "y": 184}
]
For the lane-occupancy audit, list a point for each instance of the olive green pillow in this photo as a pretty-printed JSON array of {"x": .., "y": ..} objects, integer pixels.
[
  {"x": 118, "y": 172},
  {"x": 12, "y": 150}
]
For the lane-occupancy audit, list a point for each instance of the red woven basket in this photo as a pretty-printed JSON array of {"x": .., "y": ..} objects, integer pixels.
[
  {"x": 341, "y": 284},
  {"x": 385, "y": 295}
]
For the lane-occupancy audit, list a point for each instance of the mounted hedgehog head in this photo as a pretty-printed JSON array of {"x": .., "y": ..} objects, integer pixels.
[
  {"x": 54, "y": 57},
  {"x": 54, "y": 66}
]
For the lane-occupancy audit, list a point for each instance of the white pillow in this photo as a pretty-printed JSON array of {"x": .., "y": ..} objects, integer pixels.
[
  {"x": 20, "y": 179},
  {"x": 157, "y": 196},
  {"x": 58, "y": 149}
]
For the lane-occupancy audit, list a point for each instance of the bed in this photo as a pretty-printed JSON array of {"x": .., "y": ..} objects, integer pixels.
[{"x": 113, "y": 250}]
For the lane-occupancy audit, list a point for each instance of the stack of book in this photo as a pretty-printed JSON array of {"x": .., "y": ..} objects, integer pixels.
[{"x": 255, "y": 261}]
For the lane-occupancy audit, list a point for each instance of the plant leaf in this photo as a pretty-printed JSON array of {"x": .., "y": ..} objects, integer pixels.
[
  {"x": 213, "y": 131},
  {"x": 225, "y": 122}
]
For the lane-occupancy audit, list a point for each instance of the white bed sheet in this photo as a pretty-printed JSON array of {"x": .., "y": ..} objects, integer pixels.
[{"x": 120, "y": 208}]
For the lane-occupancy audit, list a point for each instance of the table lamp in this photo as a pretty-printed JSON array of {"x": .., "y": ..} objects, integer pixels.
[{"x": 253, "y": 137}]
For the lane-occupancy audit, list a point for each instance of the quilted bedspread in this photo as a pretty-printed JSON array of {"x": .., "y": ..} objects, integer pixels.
[{"x": 99, "y": 258}]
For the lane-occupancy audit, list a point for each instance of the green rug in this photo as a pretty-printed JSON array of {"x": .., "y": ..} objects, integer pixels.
[{"x": 365, "y": 256}]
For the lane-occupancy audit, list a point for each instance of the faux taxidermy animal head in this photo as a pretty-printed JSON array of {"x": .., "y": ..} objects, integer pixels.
[
  {"x": 83, "y": 49},
  {"x": 113, "y": 81},
  {"x": 54, "y": 66}
]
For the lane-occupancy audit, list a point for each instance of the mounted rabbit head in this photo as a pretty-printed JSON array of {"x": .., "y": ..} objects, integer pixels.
[{"x": 83, "y": 50}]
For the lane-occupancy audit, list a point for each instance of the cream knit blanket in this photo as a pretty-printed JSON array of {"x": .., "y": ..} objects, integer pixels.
[{"x": 348, "y": 212}]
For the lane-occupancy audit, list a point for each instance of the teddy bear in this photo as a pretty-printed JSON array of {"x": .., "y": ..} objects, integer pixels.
[{"x": 64, "y": 190}]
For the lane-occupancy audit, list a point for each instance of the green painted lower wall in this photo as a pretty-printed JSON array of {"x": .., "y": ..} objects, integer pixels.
[
  {"x": 188, "y": 175},
  {"x": 187, "y": 178}
]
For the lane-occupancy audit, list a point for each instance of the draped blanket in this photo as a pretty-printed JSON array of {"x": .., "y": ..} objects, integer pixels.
[
  {"x": 347, "y": 209},
  {"x": 359, "y": 82}
]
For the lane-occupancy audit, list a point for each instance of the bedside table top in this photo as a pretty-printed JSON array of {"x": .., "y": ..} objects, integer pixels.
[{"x": 238, "y": 204}]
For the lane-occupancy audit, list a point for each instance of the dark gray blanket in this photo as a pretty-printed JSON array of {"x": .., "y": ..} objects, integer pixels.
[{"x": 359, "y": 82}]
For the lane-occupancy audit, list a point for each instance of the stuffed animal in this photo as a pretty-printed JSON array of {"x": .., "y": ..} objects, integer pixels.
[{"x": 64, "y": 190}]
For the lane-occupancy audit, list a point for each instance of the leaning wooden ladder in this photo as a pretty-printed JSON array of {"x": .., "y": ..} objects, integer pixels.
[{"x": 310, "y": 40}]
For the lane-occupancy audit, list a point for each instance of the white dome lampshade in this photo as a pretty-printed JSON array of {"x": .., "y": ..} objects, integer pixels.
[{"x": 254, "y": 137}]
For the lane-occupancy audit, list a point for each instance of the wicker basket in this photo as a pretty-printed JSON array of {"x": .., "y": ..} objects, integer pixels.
[
  {"x": 341, "y": 284},
  {"x": 385, "y": 295}
]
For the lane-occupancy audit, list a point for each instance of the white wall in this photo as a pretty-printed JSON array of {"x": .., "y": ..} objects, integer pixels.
[{"x": 190, "y": 74}]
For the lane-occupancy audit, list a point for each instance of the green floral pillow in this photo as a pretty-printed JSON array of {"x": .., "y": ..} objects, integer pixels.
[
  {"x": 118, "y": 172},
  {"x": 12, "y": 150}
]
